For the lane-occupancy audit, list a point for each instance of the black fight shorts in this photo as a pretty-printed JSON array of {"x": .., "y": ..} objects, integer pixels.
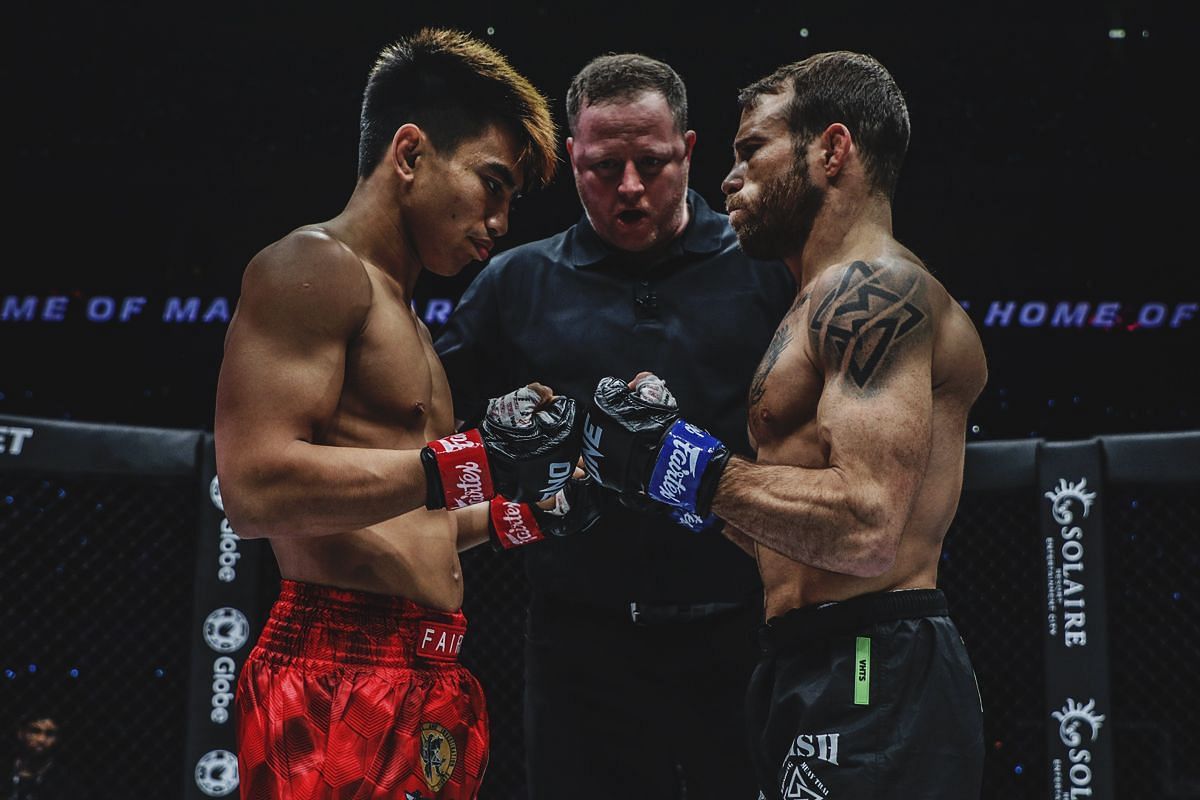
[{"x": 871, "y": 698}]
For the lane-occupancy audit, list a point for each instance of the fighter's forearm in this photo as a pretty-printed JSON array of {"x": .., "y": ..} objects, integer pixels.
[
  {"x": 473, "y": 525},
  {"x": 308, "y": 489},
  {"x": 809, "y": 515}
]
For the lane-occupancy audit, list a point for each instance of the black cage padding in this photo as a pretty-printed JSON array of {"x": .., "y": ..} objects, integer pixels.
[{"x": 99, "y": 540}]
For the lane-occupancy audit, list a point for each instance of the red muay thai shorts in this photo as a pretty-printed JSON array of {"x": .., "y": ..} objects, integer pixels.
[{"x": 355, "y": 695}]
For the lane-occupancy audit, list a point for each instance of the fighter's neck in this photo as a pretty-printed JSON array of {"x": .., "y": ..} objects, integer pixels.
[
  {"x": 377, "y": 233},
  {"x": 842, "y": 233}
]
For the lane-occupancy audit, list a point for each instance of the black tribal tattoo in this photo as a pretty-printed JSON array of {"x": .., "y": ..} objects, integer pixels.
[
  {"x": 779, "y": 343},
  {"x": 859, "y": 323}
]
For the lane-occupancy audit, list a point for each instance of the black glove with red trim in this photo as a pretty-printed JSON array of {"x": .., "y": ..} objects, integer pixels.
[
  {"x": 525, "y": 449},
  {"x": 576, "y": 509}
]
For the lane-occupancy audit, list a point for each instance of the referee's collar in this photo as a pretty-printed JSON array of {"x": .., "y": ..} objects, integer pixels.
[{"x": 703, "y": 235}]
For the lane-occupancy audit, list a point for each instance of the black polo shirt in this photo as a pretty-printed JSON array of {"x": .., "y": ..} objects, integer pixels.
[{"x": 568, "y": 311}]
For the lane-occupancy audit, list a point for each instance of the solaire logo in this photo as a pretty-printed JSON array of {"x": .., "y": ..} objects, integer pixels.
[
  {"x": 1066, "y": 493},
  {"x": 1072, "y": 717},
  {"x": 1072, "y": 720},
  {"x": 1064, "y": 499}
]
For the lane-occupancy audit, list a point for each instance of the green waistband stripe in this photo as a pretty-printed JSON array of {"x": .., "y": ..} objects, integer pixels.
[{"x": 862, "y": 671}]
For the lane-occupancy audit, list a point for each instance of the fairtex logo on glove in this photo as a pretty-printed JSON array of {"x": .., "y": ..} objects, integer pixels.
[
  {"x": 693, "y": 521},
  {"x": 681, "y": 466},
  {"x": 458, "y": 441},
  {"x": 681, "y": 462},
  {"x": 514, "y": 523},
  {"x": 463, "y": 468},
  {"x": 470, "y": 484}
]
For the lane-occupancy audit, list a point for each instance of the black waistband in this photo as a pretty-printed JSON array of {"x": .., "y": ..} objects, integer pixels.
[{"x": 800, "y": 625}]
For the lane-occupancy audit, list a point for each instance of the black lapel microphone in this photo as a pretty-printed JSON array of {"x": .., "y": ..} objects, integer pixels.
[{"x": 645, "y": 301}]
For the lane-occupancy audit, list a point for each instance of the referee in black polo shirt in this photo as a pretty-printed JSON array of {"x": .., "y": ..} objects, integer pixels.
[{"x": 640, "y": 630}]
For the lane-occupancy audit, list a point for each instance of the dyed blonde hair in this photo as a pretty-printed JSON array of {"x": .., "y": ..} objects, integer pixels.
[{"x": 453, "y": 86}]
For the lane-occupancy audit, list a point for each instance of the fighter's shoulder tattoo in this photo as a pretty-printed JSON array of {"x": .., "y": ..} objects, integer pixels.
[
  {"x": 779, "y": 343},
  {"x": 866, "y": 314}
]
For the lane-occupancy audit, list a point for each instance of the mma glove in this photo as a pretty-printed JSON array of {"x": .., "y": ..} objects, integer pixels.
[
  {"x": 635, "y": 442},
  {"x": 576, "y": 509},
  {"x": 681, "y": 517},
  {"x": 522, "y": 451},
  {"x": 695, "y": 523}
]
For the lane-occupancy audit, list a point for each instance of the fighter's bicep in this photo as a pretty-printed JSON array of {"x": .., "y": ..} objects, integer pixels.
[
  {"x": 886, "y": 435},
  {"x": 286, "y": 350},
  {"x": 270, "y": 382},
  {"x": 870, "y": 331},
  {"x": 868, "y": 324}
]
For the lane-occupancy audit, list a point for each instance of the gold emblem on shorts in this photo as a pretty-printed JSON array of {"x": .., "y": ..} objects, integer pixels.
[{"x": 438, "y": 753}]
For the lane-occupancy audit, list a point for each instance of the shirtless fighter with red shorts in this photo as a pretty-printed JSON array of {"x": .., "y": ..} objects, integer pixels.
[{"x": 335, "y": 440}]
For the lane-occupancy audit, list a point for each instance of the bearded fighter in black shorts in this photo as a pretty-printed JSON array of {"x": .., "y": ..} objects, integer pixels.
[{"x": 859, "y": 414}]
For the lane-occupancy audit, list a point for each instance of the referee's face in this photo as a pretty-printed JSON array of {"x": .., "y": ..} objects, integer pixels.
[{"x": 631, "y": 171}]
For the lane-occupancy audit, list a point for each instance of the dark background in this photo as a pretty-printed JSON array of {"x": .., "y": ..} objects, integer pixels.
[{"x": 153, "y": 150}]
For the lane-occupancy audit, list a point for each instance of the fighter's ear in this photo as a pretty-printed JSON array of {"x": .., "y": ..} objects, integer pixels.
[
  {"x": 408, "y": 144},
  {"x": 836, "y": 145}
]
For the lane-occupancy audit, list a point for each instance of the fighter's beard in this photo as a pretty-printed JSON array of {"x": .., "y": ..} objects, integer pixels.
[{"x": 782, "y": 219}]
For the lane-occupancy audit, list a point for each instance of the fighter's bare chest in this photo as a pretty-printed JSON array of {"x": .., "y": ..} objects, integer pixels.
[
  {"x": 786, "y": 387},
  {"x": 392, "y": 373}
]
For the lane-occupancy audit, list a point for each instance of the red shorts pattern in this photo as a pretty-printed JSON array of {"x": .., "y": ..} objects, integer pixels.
[{"x": 350, "y": 695}]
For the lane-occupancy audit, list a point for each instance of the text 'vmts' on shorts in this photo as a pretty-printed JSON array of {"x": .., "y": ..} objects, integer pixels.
[{"x": 873, "y": 697}]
